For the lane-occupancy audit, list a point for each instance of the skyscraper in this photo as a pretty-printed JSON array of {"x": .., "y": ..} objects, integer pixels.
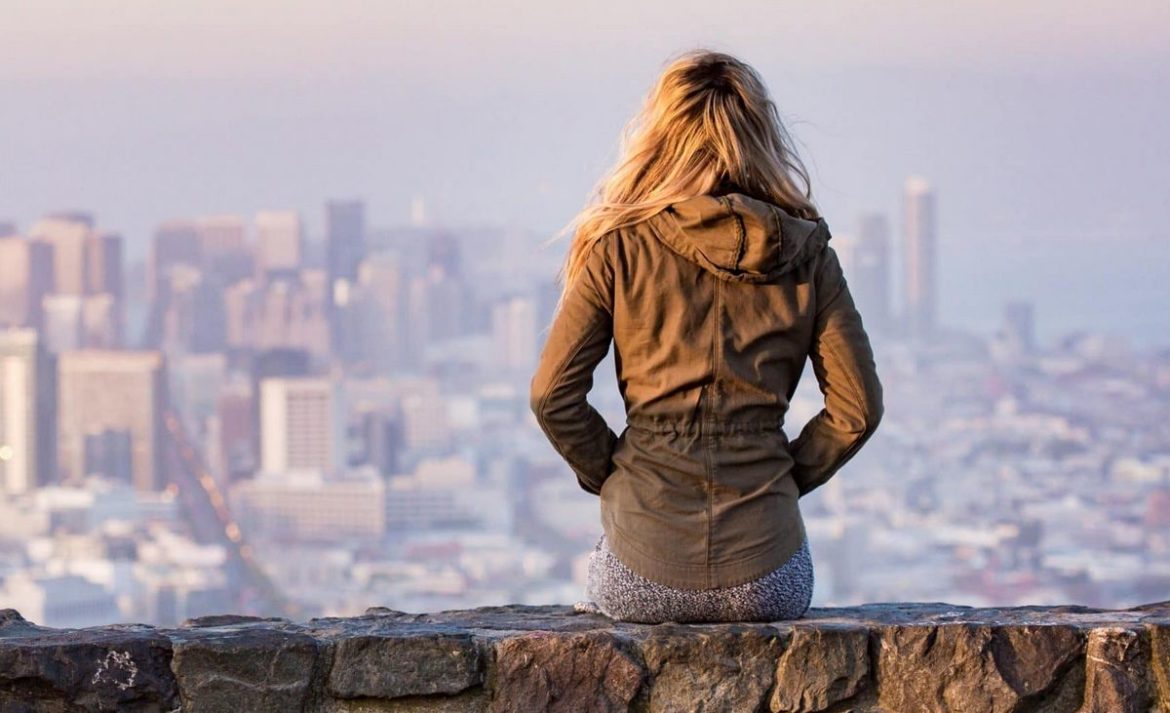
[
  {"x": 63, "y": 322},
  {"x": 445, "y": 253},
  {"x": 302, "y": 425},
  {"x": 26, "y": 279},
  {"x": 373, "y": 326},
  {"x": 438, "y": 299},
  {"x": 28, "y": 412},
  {"x": 104, "y": 264},
  {"x": 87, "y": 264},
  {"x": 174, "y": 251},
  {"x": 69, "y": 235},
  {"x": 286, "y": 309},
  {"x": 222, "y": 234},
  {"x": 345, "y": 233},
  {"x": 920, "y": 250},
  {"x": 104, "y": 283},
  {"x": 176, "y": 242},
  {"x": 223, "y": 242},
  {"x": 345, "y": 226},
  {"x": 280, "y": 243},
  {"x": 1019, "y": 326},
  {"x": 106, "y": 392},
  {"x": 514, "y": 332}
]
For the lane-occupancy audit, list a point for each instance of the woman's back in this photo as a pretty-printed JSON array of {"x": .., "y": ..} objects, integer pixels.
[
  {"x": 713, "y": 306},
  {"x": 707, "y": 265}
]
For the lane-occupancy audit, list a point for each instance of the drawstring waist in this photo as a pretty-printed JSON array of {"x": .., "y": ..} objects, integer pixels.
[{"x": 666, "y": 424}]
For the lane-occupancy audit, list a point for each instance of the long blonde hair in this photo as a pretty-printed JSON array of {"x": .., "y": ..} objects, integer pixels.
[{"x": 708, "y": 119}]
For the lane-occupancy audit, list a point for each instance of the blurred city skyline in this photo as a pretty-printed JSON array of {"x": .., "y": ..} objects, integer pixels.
[{"x": 273, "y": 293}]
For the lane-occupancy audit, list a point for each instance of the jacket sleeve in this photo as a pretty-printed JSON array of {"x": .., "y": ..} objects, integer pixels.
[
  {"x": 843, "y": 362},
  {"x": 578, "y": 339}
]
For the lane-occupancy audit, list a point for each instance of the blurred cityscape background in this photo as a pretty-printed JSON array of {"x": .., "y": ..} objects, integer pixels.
[{"x": 273, "y": 284}]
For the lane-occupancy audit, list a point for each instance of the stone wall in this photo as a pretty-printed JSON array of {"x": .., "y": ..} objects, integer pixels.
[{"x": 878, "y": 657}]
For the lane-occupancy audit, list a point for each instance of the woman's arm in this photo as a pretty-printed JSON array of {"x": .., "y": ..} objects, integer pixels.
[
  {"x": 578, "y": 339},
  {"x": 843, "y": 363}
]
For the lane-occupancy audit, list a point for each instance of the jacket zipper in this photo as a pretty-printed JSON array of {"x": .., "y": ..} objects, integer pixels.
[{"x": 709, "y": 416}]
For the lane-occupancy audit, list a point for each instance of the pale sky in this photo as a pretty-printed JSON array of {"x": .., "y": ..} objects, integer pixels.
[
  {"x": 270, "y": 38},
  {"x": 1040, "y": 121}
]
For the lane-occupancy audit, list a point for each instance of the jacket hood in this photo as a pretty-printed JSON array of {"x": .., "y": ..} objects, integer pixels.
[{"x": 739, "y": 237}]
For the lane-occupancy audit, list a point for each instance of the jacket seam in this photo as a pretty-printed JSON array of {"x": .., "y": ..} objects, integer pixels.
[
  {"x": 740, "y": 231},
  {"x": 779, "y": 235},
  {"x": 840, "y": 289},
  {"x": 852, "y": 380},
  {"x": 854, "y": 384}
]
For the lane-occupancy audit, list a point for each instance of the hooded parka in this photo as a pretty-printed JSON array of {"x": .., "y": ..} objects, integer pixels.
[{"x": 712, "y": 306}]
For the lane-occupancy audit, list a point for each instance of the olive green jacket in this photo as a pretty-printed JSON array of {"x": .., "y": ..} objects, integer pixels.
[{"x": 712, "y": 306}]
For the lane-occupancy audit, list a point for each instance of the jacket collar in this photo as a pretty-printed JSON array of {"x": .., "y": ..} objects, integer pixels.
[{"x": 738, "y": 237}]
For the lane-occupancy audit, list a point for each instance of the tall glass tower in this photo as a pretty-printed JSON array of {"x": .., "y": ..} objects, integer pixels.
[{"x": 920, "y": 277}]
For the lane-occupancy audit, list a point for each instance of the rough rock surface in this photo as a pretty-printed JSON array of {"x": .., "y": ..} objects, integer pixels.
[{"x": 879, "y": 658}]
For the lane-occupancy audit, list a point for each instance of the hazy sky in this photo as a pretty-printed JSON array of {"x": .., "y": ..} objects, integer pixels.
[
  {"x": 1041, "y": 124},
  {"x": 473, "y": 40}
]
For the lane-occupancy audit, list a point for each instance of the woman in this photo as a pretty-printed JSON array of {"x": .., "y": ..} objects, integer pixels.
[{"x": 709, "y": 269}]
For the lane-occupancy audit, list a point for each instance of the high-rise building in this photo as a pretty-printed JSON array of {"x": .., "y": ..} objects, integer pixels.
[
  {"x": 445, "y": 252},
  {"x": 1019, "y": 326},
  {"x": 28, "y": 412},
  {"x": 236, "y": 414},
  {"x": 373, "y": 324},
  {"x": 100, "y": 321},
  {"x": 104, "y": 282},
  {"x": 176, "y": 242},
  {"x": 72, "y": 322},
  {"x": 193, "y": 318},
  {"x": 345, "y": 227},
  {"x": 221, "y": 234},
  {"x": 25, "y": 280},
  {"x": 86, "y": 263},
  {"x": 174, "y": 247},
  {"x": 870, "y": 277},
  {"x": 345, "y": 234},
  {"x": 103, "y": 391},
  {"x": 223, "y": 242},
  {"x": 921, "y": 267},
  {"x": 69, "y": 236},
  {"x": 280, "y": 245},
  {"x": 438, "y": 309},
  {"x": 284, "y": 310},
  {"x": 104, "y": 264},
  {"x": 63, "y": 320},
  {"x": 425, "y": 421},
  {"x": 271, "y": 363},
  {"x": 514, "y": 332},
  {"x": 302, "y": 425},
  {"x": 383, "y": 439}
]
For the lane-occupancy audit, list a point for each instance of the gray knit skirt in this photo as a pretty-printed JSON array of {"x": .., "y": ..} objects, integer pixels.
[{"x": 619, "y": 593}]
